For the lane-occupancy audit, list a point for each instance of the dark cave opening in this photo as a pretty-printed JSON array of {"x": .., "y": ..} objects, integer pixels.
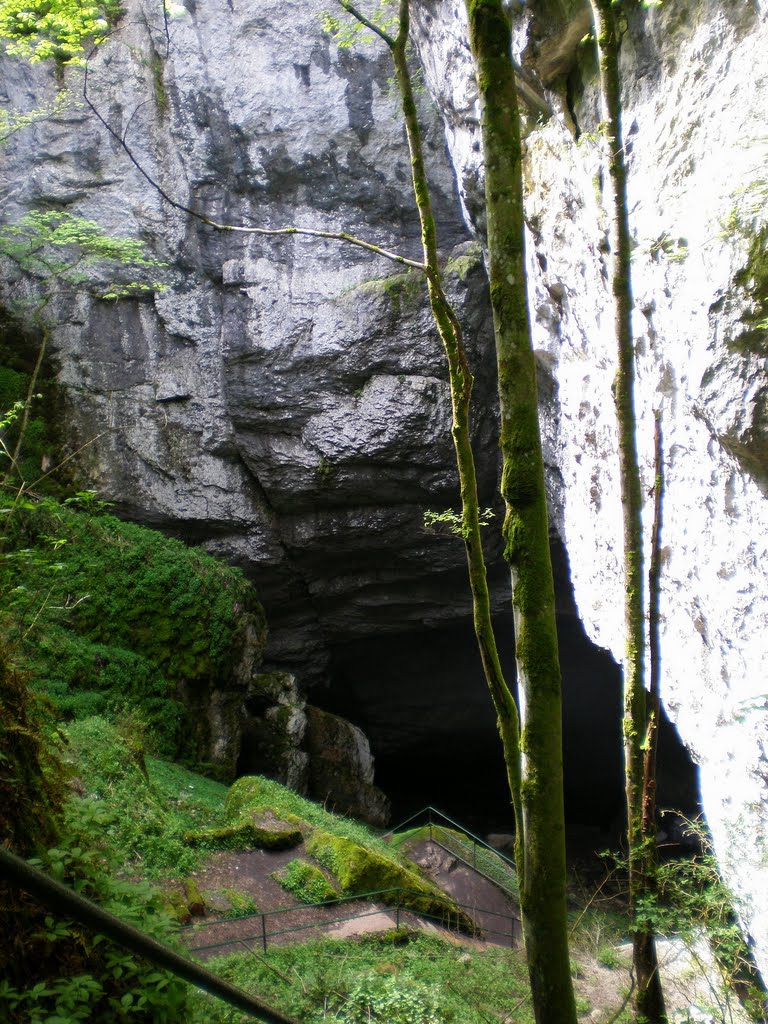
[{"x": 421, "y": 699}]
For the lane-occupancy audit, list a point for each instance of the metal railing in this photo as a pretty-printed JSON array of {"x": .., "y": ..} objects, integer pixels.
[
  {"x": 71, "y": 904},
  {"x": 475, "y": 852},
  {"x": 262, "y": 933}
]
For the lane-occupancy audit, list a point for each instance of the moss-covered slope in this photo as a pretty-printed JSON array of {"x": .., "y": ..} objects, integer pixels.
[{"x": 114, "y": 619}]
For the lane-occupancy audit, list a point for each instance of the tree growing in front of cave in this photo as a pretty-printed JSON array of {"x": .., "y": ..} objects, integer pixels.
[
  {"x": 535, "y": 780},
  {"x": 640, "y": 712}
]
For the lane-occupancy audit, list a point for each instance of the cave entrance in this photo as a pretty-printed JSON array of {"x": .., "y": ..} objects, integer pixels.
[{"x": 421, "y": 699}]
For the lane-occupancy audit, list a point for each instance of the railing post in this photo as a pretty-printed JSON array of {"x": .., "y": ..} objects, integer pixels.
[
  {"x": 397, "y": 916},
  {"x": 430, "y": 824},
  {"x": 264, "y": 931}
]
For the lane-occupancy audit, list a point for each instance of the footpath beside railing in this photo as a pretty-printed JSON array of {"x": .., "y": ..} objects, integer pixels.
[
  {"x": 470, "y": 849},
  {"x": 439, "y": 828},
  {"x": 396, "y": 903}
]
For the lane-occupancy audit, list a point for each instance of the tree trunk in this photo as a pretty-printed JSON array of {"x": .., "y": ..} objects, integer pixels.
[
  {"x": 649, "y": 1000},
  {"x": 461, "y": 381},
  {"x": 542, "y": 857}
]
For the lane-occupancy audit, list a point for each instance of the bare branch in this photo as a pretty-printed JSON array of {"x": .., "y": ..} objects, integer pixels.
[
  {"x": 359, "y": 16},
  {"x": 338, "y": 236}
]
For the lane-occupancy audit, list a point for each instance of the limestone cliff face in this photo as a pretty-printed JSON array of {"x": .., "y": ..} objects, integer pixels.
[
  {"x": 694, "y": 94},
  {"x": 284, "y": 400}
]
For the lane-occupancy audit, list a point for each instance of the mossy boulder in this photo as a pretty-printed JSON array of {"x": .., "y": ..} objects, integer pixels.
[
  {"x": 359, "y": 870},
  {"x": 249, "y": 793},
  {"x": 263, "y": 828}
]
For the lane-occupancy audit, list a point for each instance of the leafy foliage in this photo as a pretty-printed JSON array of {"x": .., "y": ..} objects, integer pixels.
[
  {"x": 12, "y": 121},
  {"x": 347, "y": 33},
  {"x": 394, "y": 974},
  {"x": 64, "y": 973},
  {"x": 388, "y": 1000},
  {"x": 55, "y": 29},
  {"x": 450, "y": 521},
  {"x": 112, "y": 618},
  {"x": 60, "y": 248}
]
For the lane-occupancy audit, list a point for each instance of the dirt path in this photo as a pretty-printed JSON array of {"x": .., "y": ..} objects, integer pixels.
[{"x": 280, "y": 921}]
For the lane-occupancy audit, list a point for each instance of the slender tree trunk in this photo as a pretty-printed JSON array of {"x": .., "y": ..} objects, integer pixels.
[
  {"x": 526, "y": 532},
  {"x": 649, "y": 1000},
  {"x": 654, "y": 648},
  {"x": 461, "y": 381},
  {"x": 461, "y": 390}
]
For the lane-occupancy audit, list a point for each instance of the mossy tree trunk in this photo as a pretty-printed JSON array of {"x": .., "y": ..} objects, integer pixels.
[
  {"x": 649, "y": 999},
  {"x": 461, "y": 381},
  {"x": 526, "y": 532}
]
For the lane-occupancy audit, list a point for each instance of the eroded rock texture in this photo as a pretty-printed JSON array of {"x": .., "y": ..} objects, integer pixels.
[
  {"x": 284, "y": 400},
  {"x": 694, "y": 93}
]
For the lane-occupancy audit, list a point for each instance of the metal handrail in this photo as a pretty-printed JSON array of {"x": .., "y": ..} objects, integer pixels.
[
  {"x": 72, "y": 905},
  {"x": 430, "y": 810},
  {"x": 264, "y": 935},
  {"x": 507, "y": 862}
]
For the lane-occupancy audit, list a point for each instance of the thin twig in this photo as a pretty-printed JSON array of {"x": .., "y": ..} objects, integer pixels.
[
  {"x": 263, "y": 960},
  {"x": 338, "y": 236},
  {"x": 64, "y": 461},
  {"x": 470, "y": 1004},
  {"x": 359, "y": 16}
]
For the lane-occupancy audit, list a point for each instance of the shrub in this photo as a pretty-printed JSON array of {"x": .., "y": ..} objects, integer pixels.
[{"x": 390, "y": 1000}]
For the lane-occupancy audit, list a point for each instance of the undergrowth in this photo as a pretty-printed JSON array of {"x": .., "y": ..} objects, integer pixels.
[
  {"x": 398, "y": 978},
  {"x": 111, "y": 618},
  {"x": 146, "y": 805}
]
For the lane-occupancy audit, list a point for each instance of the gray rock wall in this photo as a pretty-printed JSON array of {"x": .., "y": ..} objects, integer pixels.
[
  {"x": 287, "y": 407},
  {"x": 695, "y": 93}
]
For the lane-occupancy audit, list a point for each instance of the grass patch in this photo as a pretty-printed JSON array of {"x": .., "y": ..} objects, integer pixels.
[
  {"x": 306, "y": 881},
  {"x": 147, "y": 806},
  {"x": 380, "y": 978}
]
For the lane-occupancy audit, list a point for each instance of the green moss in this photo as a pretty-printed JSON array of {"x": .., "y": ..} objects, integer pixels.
[
  {"x": 241, "y": 904},
  {"x": 158, "y": 84},
  {"x": 176, "y": 905},
  {"x": 359, "y": 870},
  {"x": 194, "y": 897},
  {"x": 252, "y": 793},
  {"x": 462, "y": 266},
  {"x": 400, "y": 289},
  {"x": 115, "y": 618},
  {"x": 31, "y": 777},
  {"x": 752, "y": 282},
  {"x": 265, "y": 832},
  {"x": 306, "y": 881}
]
